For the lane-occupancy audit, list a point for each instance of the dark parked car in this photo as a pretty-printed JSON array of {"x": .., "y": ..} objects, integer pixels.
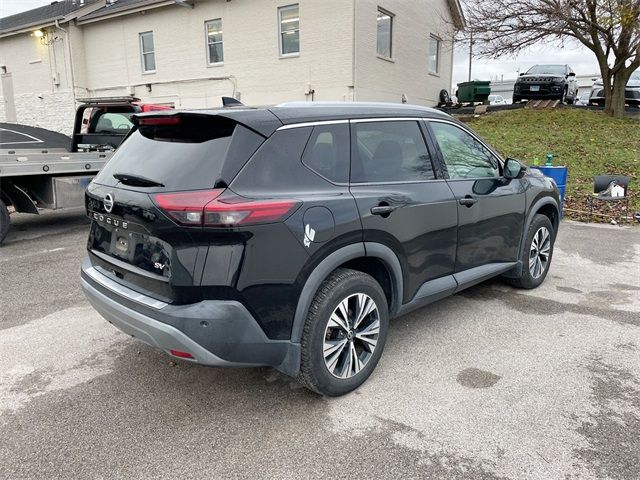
[
  {"x": 556, "y": 82},
  {"x": 289, "y": 236},
  {"x": 631, "y": 91}
]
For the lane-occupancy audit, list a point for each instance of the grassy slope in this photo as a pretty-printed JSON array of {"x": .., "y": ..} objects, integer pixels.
[{"x": 589, "y": 143}]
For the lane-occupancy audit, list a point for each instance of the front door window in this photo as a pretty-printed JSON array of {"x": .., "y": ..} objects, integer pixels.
[{"x": 464, "y": 156}]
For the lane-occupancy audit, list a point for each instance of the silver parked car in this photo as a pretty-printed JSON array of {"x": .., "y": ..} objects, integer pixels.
[
  {"x": 583, "y": 100},
  {"x": 497, "y": 100},
  {"x": 631, "y": 94}
]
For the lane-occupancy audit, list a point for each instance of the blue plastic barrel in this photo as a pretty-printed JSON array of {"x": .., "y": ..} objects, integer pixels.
[{"x": 559, "y": 175}]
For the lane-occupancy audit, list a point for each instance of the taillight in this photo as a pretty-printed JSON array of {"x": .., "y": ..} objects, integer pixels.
[
  {"x": 186, "y": 208},
  {"x": 205, "y": 208}
]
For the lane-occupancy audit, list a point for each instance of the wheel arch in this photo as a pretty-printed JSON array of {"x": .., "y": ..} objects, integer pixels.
[
  {"x": 547, "y": 206},
  {"x": 375, "y": 259}
]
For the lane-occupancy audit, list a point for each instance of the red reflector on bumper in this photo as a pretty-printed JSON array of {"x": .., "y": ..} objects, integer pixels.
[{"x": 178, "y": 353}]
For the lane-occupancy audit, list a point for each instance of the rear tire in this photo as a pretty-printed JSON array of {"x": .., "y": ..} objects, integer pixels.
[
  {"x": 536, "y": 255},
  {"x": 336, "y": 360},
  {"x": 5, "y": 221}
]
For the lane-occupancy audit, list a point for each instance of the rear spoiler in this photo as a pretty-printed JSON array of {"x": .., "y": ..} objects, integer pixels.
[{"x": 260, "y": 120}]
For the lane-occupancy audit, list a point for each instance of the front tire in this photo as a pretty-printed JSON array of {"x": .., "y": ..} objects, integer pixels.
[
  {"x": 536, "y": 255},
  {"x": 344, "y": 333}
]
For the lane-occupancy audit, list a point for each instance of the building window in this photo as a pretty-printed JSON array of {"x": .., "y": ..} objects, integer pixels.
[
  {"x": 213, "y": 30},
  {"x": 147, "y": 52},
  {"x": 385, "y": 33},
  {"x": 434, "y": 54},
  {"x": 289, "y": 20}
]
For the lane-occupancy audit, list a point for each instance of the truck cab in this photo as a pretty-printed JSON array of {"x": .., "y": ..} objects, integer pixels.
[{"x": 102, "y": 123}]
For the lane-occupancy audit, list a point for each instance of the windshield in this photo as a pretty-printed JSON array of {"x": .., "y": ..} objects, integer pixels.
[
  {"x": 547, "y": 69},
  {"x": 635, "y": 75}
]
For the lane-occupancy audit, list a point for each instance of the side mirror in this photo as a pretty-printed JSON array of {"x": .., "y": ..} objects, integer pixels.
[
  {"x": 522, "y": 74},
  {"x": 572, "y": 74},
  {"x": 513, "y": 169}
]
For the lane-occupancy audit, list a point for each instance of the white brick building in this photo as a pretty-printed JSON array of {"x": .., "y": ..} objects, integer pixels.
[{"x": 189, "y": 53}]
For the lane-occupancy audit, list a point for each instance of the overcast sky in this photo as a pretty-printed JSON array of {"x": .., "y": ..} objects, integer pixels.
[
  {"x": 10, "y": 7},
  {"x": 580, "y": 59}
]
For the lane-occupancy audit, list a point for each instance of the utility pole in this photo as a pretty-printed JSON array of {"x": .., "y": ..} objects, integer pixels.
[{"x": 470, "y": 53}]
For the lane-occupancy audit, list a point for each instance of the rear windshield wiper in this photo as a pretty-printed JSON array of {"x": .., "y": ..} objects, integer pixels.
[{"x": 136, "y": 180}]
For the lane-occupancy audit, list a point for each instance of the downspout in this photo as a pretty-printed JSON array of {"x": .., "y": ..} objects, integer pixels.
[
  {"x": 353, "y": 53},
  {"x": 70, "y": 55}
]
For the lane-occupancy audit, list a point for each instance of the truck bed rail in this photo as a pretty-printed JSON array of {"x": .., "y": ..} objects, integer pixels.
[{"x": 34, "y": 162}]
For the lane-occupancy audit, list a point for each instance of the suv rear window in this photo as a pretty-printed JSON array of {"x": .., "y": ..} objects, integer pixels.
[{"x": 189, "y": 156}]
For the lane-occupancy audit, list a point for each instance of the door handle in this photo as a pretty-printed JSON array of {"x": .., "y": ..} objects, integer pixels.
[
  {"x": 468, "y": 201},
  {"x": 382, "y": 210}
]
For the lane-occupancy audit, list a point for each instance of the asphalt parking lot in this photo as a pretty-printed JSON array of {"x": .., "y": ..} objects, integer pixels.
[{"x": 490, "y": 383}]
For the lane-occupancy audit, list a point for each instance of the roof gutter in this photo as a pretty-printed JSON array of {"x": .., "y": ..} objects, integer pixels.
[
  {"x": 55, "y": 21},
  {"x": 31, "y": 27},
  {"x": 116, "y": 10},
  {"x": 458, "y": 14}
]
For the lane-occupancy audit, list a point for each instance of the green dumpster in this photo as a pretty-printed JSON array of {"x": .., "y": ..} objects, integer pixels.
[{"x": 473, "y": 92}]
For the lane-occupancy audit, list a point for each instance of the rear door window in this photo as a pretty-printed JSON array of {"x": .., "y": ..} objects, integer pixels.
[
  {"x": 392, "y": 151},
  {"x": 327, "y": 152}
]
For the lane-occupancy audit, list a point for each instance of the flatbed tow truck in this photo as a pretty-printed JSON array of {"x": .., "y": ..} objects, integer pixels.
[{"x": 41, "y": 169}]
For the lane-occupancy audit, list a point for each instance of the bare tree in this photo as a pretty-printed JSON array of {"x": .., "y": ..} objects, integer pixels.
[{"x": 609, "y": 28}]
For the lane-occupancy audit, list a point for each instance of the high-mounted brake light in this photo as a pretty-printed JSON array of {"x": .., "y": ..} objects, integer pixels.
[
  {"x": 205, "y": 208},
  {"x": 160, "y": 121}
]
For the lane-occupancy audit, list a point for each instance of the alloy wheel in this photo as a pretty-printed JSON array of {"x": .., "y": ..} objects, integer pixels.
[
  {"x": 351, "y": 335},
  {"x": 539, "y": 252}
]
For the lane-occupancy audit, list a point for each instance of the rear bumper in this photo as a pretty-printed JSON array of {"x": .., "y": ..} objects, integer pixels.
[{"x": 214, "y": 333}]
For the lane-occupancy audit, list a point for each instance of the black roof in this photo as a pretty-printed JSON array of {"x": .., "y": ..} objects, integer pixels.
[
  {"x": 45, "y": 14},
  {"x": 266, "y": 120}
]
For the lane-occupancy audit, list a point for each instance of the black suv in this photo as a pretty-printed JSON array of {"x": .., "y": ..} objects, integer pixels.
[
  {"x": 289, "y": 236},
  {"x": 555, "y": 82}
]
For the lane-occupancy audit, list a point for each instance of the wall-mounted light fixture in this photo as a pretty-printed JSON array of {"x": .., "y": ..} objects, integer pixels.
[{"x": 44, "y": 37}]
